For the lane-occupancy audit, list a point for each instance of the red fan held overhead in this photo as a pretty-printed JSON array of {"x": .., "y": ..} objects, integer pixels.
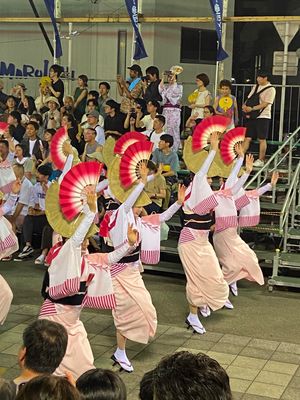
[
  {"x": 228, "y": 143},
  {"x": 74, "y": 186},
  {"x": 131, "y": 160},
  {"x": 128, "y": 139},
  {"x": 207, "y": 126},
  {"x": 3, "y": 127},
  {"x": 56, "y": 148}
]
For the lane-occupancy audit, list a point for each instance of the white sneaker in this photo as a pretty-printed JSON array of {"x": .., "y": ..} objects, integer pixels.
[{"x": 258, "y": 163}]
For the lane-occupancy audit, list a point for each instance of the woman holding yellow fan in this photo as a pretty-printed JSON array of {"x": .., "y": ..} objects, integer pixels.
[
  {"x": 225, "y": 104},
  {"x": 200, "y": 97}
]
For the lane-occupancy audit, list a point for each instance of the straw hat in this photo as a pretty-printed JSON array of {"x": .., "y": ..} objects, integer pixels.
[{"x": 54, "y": 99}]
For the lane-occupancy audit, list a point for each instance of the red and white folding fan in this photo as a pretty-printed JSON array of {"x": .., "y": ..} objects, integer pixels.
[
  {"x": 228, "y": 143},
  {"x": 56, "y": 148},
  {"x": 131, "y": 160},
  {"x": 3, "y": 127},
  {"x": 202, "y": 132},
  {"x": 73, "y": 187},
  {"x": 128, "y": 139}
]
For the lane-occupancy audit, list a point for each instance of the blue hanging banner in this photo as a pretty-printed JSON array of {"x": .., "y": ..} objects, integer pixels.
[
  {"x": 50, "y": 7},
  {"x": 140, "y": 51},
  {"x": 217, "y": 9}
]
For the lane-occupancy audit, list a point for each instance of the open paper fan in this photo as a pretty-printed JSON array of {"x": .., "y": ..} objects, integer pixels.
[
  {"x": 227, "y": 147},
  {"x": 56, "y": 148},
  {"x": 56, "y": 218},
  {"x": 130, "y": 161},
  {"x": 72, "y": 187},
  {"x": 3, "y": 127},
  {"x": 108, "y": 151},
  {"x": 207, "y": 126},
  {"x": 128, "y": 139},
  {"x": 118, "y": 191}
]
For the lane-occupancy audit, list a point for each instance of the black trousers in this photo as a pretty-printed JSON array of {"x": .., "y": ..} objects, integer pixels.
[{"x": 39, "y": 225}]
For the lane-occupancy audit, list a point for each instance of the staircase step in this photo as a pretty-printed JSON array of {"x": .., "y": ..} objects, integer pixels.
[
  {"x": 287, "y": 281},
  {"x": 270, "y": 206},
  {"x": 264, "y": 228},
  {"x": 292, "y": 259},
  {"x": 294, "y": 233}
]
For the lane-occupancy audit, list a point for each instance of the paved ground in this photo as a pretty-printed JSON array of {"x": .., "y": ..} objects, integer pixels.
[{"x": 258, "y": 342}]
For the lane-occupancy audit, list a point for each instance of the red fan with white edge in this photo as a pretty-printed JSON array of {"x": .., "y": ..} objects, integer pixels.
[
  {"x": 127, "y": 140},
  {"x": 131, "y": 160},
  {"x": 3, "y": 127},
  {"x": 228, "y": 143},
  {"x": 56, "y": 148},
  {"x": 207, "y": 126},
  {"x": 74, "y": 186}
]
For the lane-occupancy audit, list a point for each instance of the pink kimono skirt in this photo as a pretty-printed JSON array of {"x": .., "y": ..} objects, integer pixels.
[
  {"x": 79, "y": 356},
  {"x": 238, "y": 261},
  {"x": 8, "y": 240},
  {"x": 205, "y": 281},
  {"x": 134, "y": 316},
  {"x": 6, "y": 297}
]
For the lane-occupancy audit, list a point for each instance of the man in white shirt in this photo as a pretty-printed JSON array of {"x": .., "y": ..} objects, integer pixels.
[
  {"x": 92, "y": 120},
  {"x": 153, "y": 108},
  {"x": 258, "y": 116},
  {"x": 158, "y": 130}
]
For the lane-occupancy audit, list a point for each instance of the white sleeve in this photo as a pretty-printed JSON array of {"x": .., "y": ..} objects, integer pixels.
[
  {"x": 102, "y": 185},
  {"x": 132, "y": 198},
  {"x": 234, "y": 173},
  {"x": 80, "y": 233},
  {"x": 9, "y": 204},
  {"x": 116, "y": 255},
  {"x": 240, "y": 183},
  {"x": 67, "y": 167},
  {"x": 207, "y": 163},
  {"x": 168, "y": 214}
]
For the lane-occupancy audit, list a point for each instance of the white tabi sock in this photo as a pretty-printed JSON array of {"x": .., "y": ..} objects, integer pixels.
[
  {"x": 194, "y": 320},
  {"x": 122, "y": 359}
]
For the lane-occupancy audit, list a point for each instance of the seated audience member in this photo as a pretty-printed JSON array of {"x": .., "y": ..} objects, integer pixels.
[
  {"x": 7, "y": 390},
  {"x": 4, "y": 151},
  {"x": 91, "y": 106},
  {"x": 52, "y": 117},
  {"x": 101, "y": 384},
  {"x": 10, "y": 105},
  {"x": 147, "y": 386},
  {"x": 36, "y": 220},
  {"x": 104, "y": 88},
  {"x": 150, "y": 85},
  {"x": 168, "y": 159},
  {"x": 48, "y": 136},
  {"x": 21, "y": 159},
  {"x": 39, "y": 119},
  {"x": 92, "y": 120},
  {"x": 19, "y": 93},
  {"x": 133, "y": 91},
  {"x": 3, "y": 97},
  {"x": 76, "y": 137},
  {"x": 8, "y": 135},
  {"x": 48, "y": 388},
  {"x": 68, "y": 107},
  {"x": 156, "y": 190},
  {"x": 56, "y": 88},
  {"x": 153, "y": 108},
  {"x": 194, "y": 120},
  {"x": 114, "y": 120},
  {"x": 14, "y": 119},
  {"x": 158, "y": 130},
  {"x": 26, "y": 108},
  {"x": 188, "y": 376},
  {"x": 91, "y": 146},
  {"x": 33, "y": 144},
  {"x": 44, "y": 346},
  {"x": 93, "y": 95},
  {"x": 19, "y": 211},
  {"x": 41, "y": 100}
]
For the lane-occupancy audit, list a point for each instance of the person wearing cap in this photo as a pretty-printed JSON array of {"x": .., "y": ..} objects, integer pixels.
[
  {"x": 52, "y": 117},
  {"x": 133, "y": 91},
  {"x": 114, "y": 120},
  {"x": 91, "y": 145},
  {"x": 91, "y": 105},
  {"x": 92, "y": 120},
  {"x": 258, "y": 117}
]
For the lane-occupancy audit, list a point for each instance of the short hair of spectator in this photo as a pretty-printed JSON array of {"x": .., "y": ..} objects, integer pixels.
[
  {"x": 7, "y": 389},
  {"x": 51, "y": 131},
  {"x": 34, "y": 124},
  {"x": 113, "y": 104},
  {"x": 152, "y": 70},
  {"x": 155, "y": 104},
  {"x": 188, "y": 376},
  {"x": 23, "y": 149},
  {"x": 19, "y": 169},
  {"x": 70, "y": 118},
  {"x": 211, "y": 109},
  {"x": 94, "y": 93},
  {"x": 101, "y": 384},
  {"x": 57, "y": 69},
  {"x": 106, "y": 84},
  {"x": 10, "y": 97},
  {"x": 167, "y": 139},
  {"x": 45, "y": 343},
  {"x": 147, "y": 386},
  {"x": 38, "y": 118},
  {"x": 16, "y": 115},
  {"x": 5, "y": 142},
  {"x": 48, "y": 387},
  {"x": 263, "y": 73},
  {"x": 161, "y": 118},
  {"x": 152, "y": 166},
  {"x": 204, "y": 78},
  {"x": 225, "y": 83},
  {"x": 92, "y": 130},
  {"x": 45, "y": 170},
  {"x": 84, "y": 79},
  {"x": 92, "y": 101}
]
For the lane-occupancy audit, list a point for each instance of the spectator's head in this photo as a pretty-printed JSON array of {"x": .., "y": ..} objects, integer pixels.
[
  {"x": 159, "y": 123},
  {"x": 91, "y": 105},
  {"x": 48, "y": 134},
  {"x": 19, "y": 171},
  {"x": 202, "y": 80},
  {"x": 104, "y": 88},
  {"x": 93, "y": 118},
  {"x": 20, "y": 151},
  {"x": 208, "y": 111},
  {"x": 55, "y": 71},
  {"x": 147, "y": 386},
  {"x": 14, "y": 118},
  {"x": 32, "y": 130},
  {"x": 111, "y": 106},
  {"x": 225, "y": 87},
  {"x": 101, "y": 384},
  {"x": 43, "y": 173},
  {"x": 52, "y": 103},
  {"x": 152, "y": 73},
  {"x": 93, "y": 94},
  {"x": 82, "y": 81},
  {"x": 7, "y": 390},
  {"x": 68, "y": 103},
  {"x": 262, "y": 77},
  {"x": 4, "y": 149},
  {"x": 10, "y": 102},
  {"x": 44, "y": 342},
  {"x": 37, "y": 118},
  {"x": 152, "y": 167},
  {"x": 166, "y": 142},
  {"x": 153, "y": 106},
  {"x": 188, "y": 376},
  {"x": 68, "y": 121},
  {"x": 48, "y": 388},
  {"x": 90, "y": 135},
  {"x": 135, "y": 71}
]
